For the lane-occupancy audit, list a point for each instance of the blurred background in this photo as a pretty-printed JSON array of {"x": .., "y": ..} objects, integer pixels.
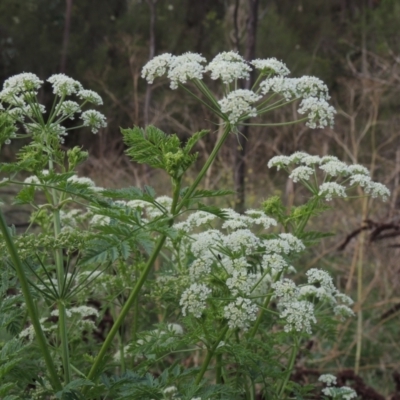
[{"x": 352, "y": 45}]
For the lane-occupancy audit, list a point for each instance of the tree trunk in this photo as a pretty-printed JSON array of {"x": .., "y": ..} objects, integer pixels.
[
  {"x": 240, "y": 153},
  {"x": 152, "y": 53},
  {"x": 67, "y": 22}
]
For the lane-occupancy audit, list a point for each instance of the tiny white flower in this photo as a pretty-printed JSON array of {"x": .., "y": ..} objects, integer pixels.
[
  {"x": 298, "y": 315},
  {"x": 64, "y": 85},
  {"x": 287, "y": 87},
  {"x": 69, "y": 108},
  {"x": 90, "y": 96},
  {"x": 360, "y": 179},
  {"x": 156, "y": 67},
  {"x": 326, "y": 159},
  {"x": 299, "y": 156},
  {"x": 271, "y": 66},
  {"x": 84, "y": 311},
  {"x": 199, "y": 218},
  {"x": 330, "y": 189},
  {"x": 100, "y": 220},
  {"x": 259, "y": 218},
  {"x": 237, "y": 104},
  {"x": 320, "y": 113},
  {"x": 228, "y": 66},
  {"x": 286, "y": 243},
  {"x": 184, "y": 67},
  {"x": 322, "y": 278},
  {"x": 302, "y": 173},
  {"x": 240, "y": 313},
  {"x": 310, "y": 86},
  {"x": 94, "y": 119},
  {"x": 286, "y": 290},
  {"x": 376, "y": 189},
  {"x": 358, "y": 169},
  {"x": 343, "y": 393},
  {"x": 175, "y": 328},
  {"x": 170, "y": 390},
  {"x": 81, "y": 180},
  {"x": 241, "y": 240},
  {"x": 241, "y": 282},
  {"x": 22, "y": 83},
  {"x": 344, "y": 298},
  {"x": 193, "y": 299},
  {"x": 279, "y": 162},
  {"x": 335, "y": 168},
  {"x": 275, "y": 263},
  {"x": 343, "y": 311},
  {"x": 200, "y": 267},
  {"x": 310, "y": 160},
  {"x": 329, "y": 379}
]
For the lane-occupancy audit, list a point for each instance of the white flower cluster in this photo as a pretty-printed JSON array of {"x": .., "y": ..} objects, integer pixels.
[
  {"x": 344, "y": 392},
  {"x": 82, "y": 180},
  {"x": 63, "y": 85},
  {"x": 19, "y": 92},
  {"x": 228, "y": 66},
  {"x": 271, "y": 66},
  {"x": 25, "y": 82},
  {"x": 193, "y": 299},
  {"x": 69, "y": 108},
  {"x": 302, "y": 173},
  {"x": 156, "y": 67},
  {"x": 90, "y": 96},
  {"x": 184, "y": 67},
  {"x": 320, "y": 113},
  {"x": 313, "y": 92},
  {"x": 296, "y": 303},
  {"x": 94, "y": 119},
  {"x": 329, "y": 379},
  {"x": 295, "y": 88},
  {"x": 237, "y": 104},
  {"x": 286, "y": 243},
  {"x": 332, "y": 167},
  {"x": 240, "y": 313}
]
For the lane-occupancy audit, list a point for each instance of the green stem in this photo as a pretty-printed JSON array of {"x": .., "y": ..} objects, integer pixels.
[
  {"x": 260, "y": 316},
  {"x": 289, "y": 369},
  {"x": 54, "y": 379},
  {"x": 58, "y": 255},
  {"x": 204, "y": 169},
  {"x": 135, "y": 292},
  {"x": 279, "y": 123},
  {"x": 125, "y": 309},
  {"x": 263, "y": 310},
  {"x": 209, "y": 356},
  {"x": 62, "y": 324}
]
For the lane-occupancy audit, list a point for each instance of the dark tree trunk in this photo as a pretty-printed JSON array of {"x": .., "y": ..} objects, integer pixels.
[
  {"x": 67, "y": 23},
  {"x": 240, "y": 154},
  {"x": 152, "y": 53}
]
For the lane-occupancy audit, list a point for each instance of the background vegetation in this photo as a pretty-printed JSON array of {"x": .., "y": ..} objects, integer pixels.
[{"x": 353, "y": 45}]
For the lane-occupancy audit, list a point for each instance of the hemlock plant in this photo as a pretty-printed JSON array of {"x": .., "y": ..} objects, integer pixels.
[{"x": 224, "y": 313}]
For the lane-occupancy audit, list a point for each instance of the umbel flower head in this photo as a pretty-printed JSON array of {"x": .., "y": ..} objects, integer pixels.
[
  {"x": 238, "y": 105},
  {"x": 19, "y": 102}
]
